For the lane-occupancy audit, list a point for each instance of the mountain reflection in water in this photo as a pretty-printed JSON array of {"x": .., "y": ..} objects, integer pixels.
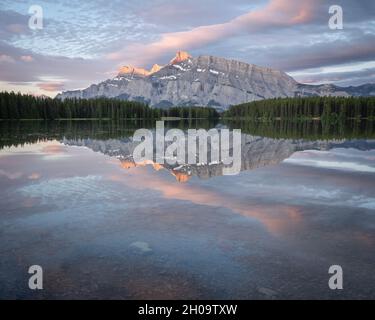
[
  {"x": 74, "y": 202},
  {"x": 256, "y": 152}
]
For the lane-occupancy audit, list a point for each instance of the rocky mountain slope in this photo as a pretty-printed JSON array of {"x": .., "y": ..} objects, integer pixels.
[{"x": 206, "y": 81}]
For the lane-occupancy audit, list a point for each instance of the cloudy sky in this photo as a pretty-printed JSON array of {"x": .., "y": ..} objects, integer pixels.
[{"x": 83, "y": 42}]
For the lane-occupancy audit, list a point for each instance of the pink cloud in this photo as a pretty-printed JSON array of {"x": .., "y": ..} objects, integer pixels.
[
  {"x": 16, "y": 28},
  {"x": 6, "y": 59},
  {"x": 34, "y": 176},
  {"x": 27, "y": 58},
  {"x": 51, "y": 86},
  {"x": 278, "y": 13}
]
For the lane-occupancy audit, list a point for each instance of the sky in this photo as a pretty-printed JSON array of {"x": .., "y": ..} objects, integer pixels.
[{"x": 85, "y": 42}]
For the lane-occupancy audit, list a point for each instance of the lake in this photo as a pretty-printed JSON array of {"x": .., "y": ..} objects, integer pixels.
[{"x": 103, "y": 227}]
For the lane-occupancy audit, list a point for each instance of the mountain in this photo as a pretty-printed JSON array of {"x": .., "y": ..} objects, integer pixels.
[
  {"x": 207, "y": 81},
  {"x": 134, "y": 71}
]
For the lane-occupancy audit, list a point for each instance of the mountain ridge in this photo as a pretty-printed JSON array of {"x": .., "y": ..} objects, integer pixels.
[{"x": 207, "y": 81}]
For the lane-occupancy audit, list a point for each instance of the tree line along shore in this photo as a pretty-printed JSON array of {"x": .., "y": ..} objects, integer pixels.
[{"x": 17, "y": 106}]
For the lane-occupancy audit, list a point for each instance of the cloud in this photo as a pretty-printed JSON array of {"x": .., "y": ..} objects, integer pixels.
[
  {"x": 344, "y": 78},
  {"x": 6, "y": 59},
  {"x": 27, "y": 58},
  {"x": 12, "y": 24},
  {"x": 36, "y": 69},
  {"x": 84, "y": 43},
  {"x": 335, "y": 52},
  {"x": 16, "y": 28},
  {"x": 51, "y": 86},
  {"x": 180, "y": 15},
  {"x": 72, "y": 29},
  {"x": 34, "y": 176},
  {"x": 11, "y": 175},
  {"x": 276, "y": 14}
]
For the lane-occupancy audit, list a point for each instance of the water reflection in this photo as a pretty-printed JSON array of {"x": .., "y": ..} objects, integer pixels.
[
  {"x": 262, "y": 144},
  {"x": 14, "y": 133},
  {"x": 256, "y": 152},
  {"x": 102, "y": 227}
]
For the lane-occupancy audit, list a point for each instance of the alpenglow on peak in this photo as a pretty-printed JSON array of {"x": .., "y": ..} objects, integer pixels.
[
  {"x": 180, "y": 56},
  {"x": 130, "y": 70}
]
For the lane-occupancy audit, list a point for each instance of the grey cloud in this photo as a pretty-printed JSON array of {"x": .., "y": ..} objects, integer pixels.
[
  {"x": 75, "y": 28},
  {"x": 93, "y": 29},
  {"x": 12, "y": 24},
  {"x": 177, "y": 15},
  {"x": 75, "y": 72},
  {"x": 357, "y": 11},
  {"x": 340, "y": 78},
  {"x": 325, "y": 54}
]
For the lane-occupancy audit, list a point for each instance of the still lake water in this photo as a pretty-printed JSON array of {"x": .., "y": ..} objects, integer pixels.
[{"x": 73, "y": 202}]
